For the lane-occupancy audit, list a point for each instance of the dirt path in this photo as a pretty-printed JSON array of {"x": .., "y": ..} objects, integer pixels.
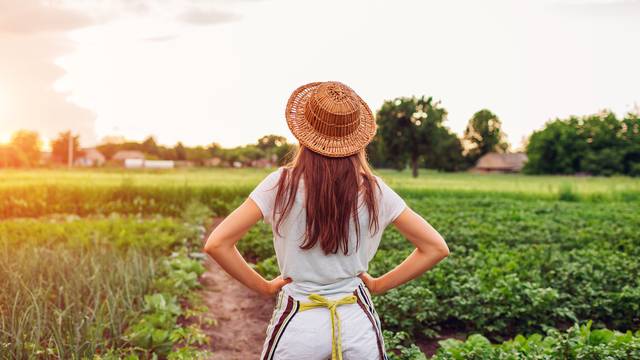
[{"x": 242, "y": 316}]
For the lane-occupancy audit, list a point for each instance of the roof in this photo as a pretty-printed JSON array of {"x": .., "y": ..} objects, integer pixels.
[
  {"x": 128, "y": 154},
  {"x": 93, "y": 154},
  {"x": 496, "y": 161}
]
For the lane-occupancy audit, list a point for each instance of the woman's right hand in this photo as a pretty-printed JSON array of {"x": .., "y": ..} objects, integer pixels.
[
  {"x": 372, "y": 284},
  {"x": 273, "y": 286}
]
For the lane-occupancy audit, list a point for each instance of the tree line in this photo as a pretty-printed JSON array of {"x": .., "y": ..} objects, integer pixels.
[
  {"x": 599, "y": 144},
  {"x": 24, "y": 150},
  {"x": 412, "y": 133}
]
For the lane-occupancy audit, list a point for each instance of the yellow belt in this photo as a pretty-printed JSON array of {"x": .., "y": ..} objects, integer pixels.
[{"x": 321, "y": 301}]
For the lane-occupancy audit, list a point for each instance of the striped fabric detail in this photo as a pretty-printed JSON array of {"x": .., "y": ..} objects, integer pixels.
[
  {"x": 367, "y": 306},
  {"x": 275, "y": 312},
  {"x": 291, "y": 308},
  {"x": 367, "y": 296}
]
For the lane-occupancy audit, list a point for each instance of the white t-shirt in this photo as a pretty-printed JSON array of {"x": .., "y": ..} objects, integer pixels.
[{"x": 311, "y": 270}]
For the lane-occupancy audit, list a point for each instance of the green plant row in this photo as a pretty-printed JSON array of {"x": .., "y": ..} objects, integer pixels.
[
  {"x": 100, "y": 287},
  {"x": 69, "y": 303},
  {"x": 35, "y": 200},
  {"x": 161, "y": 329},
  {"x": 515, "y": 267},
  {"x": 169, "y": 324},
  {"x": 83, "y": 200},
  {"x": 156, "y": 234},
  {"x": 578, "y": 342}
]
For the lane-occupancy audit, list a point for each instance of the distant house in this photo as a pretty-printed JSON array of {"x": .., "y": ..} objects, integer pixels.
[
  {"x": 148, "y": 164},
  {"x": 121, "y": 155},
  {"x": 214, "y": 161},
  {"x": 159, "y": 164},
  {"x": 501, "y": 163},
  {"x": 262, "y": 163},
  {"x": 91, "y": 157}
]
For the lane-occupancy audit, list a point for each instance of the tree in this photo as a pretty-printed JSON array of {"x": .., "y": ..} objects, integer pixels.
[
  {"x": 181, "y": 152},
  {"x": 484, "y": 135},
  {"x": 149, "y": 146},
  {"x": 556, "y": 149},
  {"x": 275, "y": 146},
  {"x": 197, "y": 154},
  {"x": 377, "y": 153},
  {"x": 215, "y": 149},
  {"x": 598, "y": 144},
  {"x": 26, "y": 147},
  {"x": 411, "y": 130},
  {"x": 269, "y": 142},
  {"x": 630, "y": 136},
  {"x": 448, "y": 151},
  {"x": 60, "y": 147},
  {"x": 285, "y": 152}
]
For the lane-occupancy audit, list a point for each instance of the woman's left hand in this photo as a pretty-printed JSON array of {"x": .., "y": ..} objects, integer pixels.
[
  {"x": 273, "y": 286},
  {"x": 371, "y": 283}
]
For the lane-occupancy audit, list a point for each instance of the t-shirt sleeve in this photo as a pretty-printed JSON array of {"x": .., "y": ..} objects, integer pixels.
[
  {"x": 264, "y": 194},
  {"x": 392, "y": 205}
]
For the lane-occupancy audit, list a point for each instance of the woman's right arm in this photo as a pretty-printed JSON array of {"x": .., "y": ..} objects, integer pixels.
[{"x": 430, "y": 250}]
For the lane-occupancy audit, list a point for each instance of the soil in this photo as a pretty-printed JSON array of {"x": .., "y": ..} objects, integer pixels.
[{"x": 241, "y": 315}]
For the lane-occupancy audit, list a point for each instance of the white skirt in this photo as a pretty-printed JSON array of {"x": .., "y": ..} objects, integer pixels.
[{"x": 294, "y": 334}]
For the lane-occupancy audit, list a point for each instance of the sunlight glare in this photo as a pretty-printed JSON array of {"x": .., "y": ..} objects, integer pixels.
[{"x": 5, "y": 137}]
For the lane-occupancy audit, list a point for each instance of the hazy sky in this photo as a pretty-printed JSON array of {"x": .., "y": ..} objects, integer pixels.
[{"x": 205, "y": 71}]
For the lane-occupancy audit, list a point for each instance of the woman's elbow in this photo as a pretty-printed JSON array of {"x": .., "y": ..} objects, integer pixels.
[
  {"x": 442, "y": 249},
  {"x": 212, "y": 247}
]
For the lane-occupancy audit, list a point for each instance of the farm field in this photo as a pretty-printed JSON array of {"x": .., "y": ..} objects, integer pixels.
[
  {"x": 516, "y": 267},
  {"x": 242, "y": 178},
  {"x": 100, "y": 287},
  {"x": 539, "y": 266}
]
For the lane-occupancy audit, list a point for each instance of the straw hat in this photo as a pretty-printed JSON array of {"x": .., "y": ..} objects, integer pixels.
[{"x": 330, "y": 118}]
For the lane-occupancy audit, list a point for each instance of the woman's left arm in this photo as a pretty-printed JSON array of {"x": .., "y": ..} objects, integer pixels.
[{"x": 221, "y": 246}]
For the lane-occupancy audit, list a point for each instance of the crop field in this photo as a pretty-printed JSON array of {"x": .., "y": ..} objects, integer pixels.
[
  {"x": 242, "y": 178},
  {"x": 540, "y": 267},
  {"x": 516, "y": 267},
  {"x": 99, "y": 287}
]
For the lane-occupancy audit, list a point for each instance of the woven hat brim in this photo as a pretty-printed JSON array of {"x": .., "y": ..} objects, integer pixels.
[{"x": 331, "y": 146}]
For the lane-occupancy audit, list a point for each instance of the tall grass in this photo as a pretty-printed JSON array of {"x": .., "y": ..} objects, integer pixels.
[
  {"x": 69, "y": 303},
  {"x": 71, "y": 288}
]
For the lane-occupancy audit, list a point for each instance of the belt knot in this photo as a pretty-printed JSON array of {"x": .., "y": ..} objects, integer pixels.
[{"x": 321, "y": 301}]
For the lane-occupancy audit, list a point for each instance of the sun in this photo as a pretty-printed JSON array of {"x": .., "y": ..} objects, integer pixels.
[{"x": 5, "y": 137}]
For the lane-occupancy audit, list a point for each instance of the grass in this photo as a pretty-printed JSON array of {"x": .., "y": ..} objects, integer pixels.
[
  {"x": 80, "y": 288},
  {"x": 68, "y": 302},
  {"x": 428, "y": 180}
]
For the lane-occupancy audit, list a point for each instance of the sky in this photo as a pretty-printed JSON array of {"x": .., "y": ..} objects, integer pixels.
[{"x": 221, "y": 71}]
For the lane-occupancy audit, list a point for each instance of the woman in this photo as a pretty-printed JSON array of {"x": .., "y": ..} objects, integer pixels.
[{"x": 327, "y": 212}]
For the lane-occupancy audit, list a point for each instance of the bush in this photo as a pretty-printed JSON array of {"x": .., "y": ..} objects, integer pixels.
[{"x": 579, "y": 342}]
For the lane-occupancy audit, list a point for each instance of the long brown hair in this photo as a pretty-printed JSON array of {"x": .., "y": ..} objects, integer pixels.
[{"x": 332, "y": 186}]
